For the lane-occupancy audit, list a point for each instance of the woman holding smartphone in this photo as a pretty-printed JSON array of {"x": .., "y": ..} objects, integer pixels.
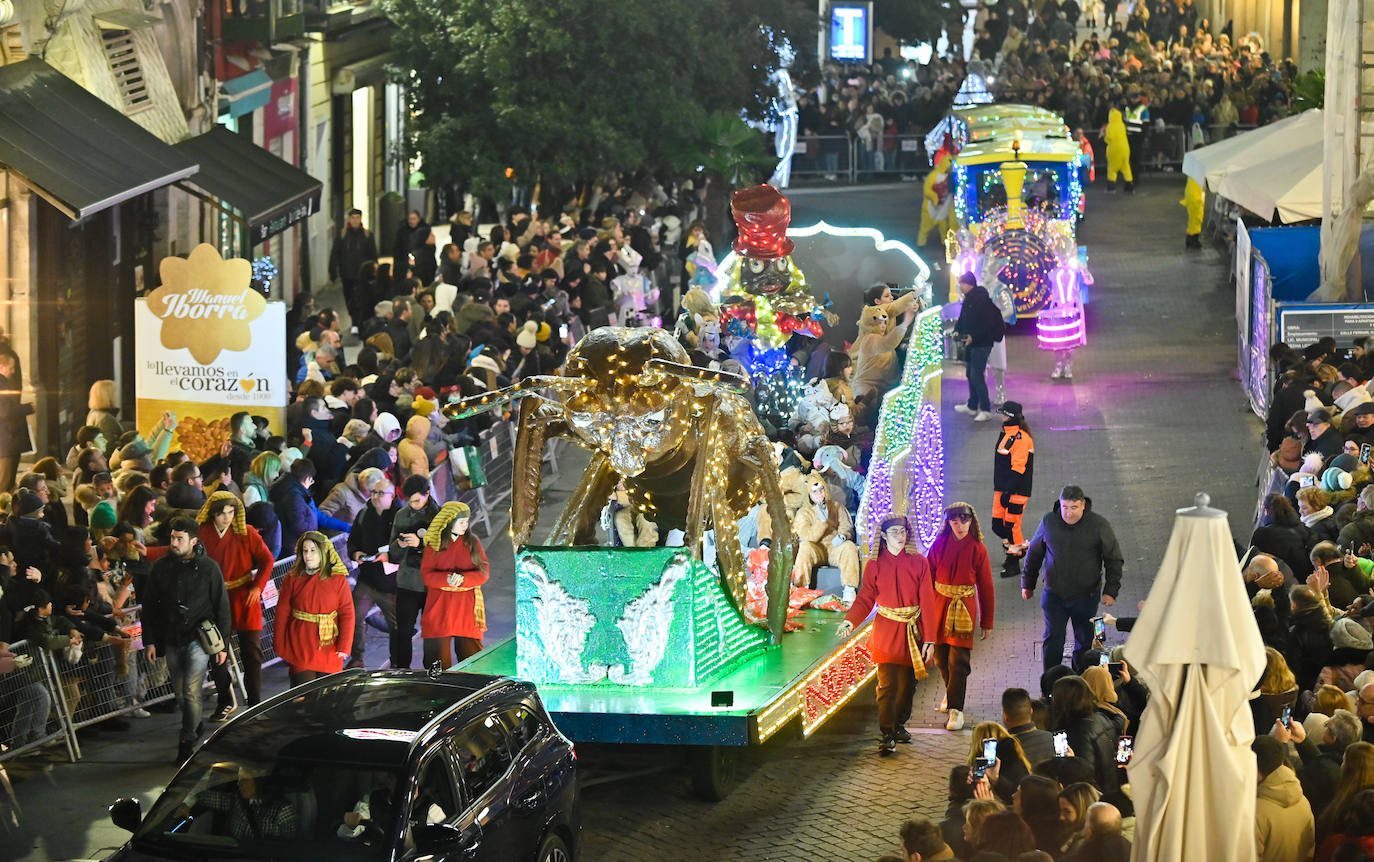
[{"x": 960, "y": 597}]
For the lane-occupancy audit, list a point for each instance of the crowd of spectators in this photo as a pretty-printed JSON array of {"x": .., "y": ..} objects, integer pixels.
[{"x": 1156, "y": 59}]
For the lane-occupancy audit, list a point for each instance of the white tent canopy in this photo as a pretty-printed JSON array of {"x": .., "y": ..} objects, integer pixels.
[
  {"x": 1209, "y": 165},
  {"x": 1289, "y": 185}
]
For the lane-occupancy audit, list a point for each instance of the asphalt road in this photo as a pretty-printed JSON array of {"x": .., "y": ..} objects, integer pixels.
[{"x": 1152, "y": 417}]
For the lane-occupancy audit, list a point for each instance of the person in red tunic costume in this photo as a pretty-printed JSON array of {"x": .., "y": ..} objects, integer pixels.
[
  {"x": 246, "y": 562},
  {"x": 314, "y": 611},
  {"x": 893, "y": 582},
  {"x": 960, "y": 571},
  {"x": 454, "y": 567}
]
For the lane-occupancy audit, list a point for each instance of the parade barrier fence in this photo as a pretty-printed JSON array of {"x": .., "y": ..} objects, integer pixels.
[
  {"x": 46, "y": 699},
  {"x": 846, "y": 160}
]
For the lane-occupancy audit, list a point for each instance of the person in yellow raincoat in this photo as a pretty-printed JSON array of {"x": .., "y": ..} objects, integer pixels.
[
  {"x": 1193, "y": 201},
  {"x": 937, "y": 202},
  {"x": 1118, "y": 151}
]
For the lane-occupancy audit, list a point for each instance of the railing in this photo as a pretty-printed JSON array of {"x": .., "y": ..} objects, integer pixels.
[{"x": 47, "y": 698}]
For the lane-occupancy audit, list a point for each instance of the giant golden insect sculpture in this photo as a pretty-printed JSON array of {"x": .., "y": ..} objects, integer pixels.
[{"x": 684, "y": 441}]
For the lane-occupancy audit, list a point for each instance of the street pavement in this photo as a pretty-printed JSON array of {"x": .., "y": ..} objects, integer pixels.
[{"x": 1151, "y": 417}]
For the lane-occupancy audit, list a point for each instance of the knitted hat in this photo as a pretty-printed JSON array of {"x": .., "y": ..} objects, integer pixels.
[
  {"x": 356, "y": 429},
  {"x": 545, "y": 332},
  {"x": 1345, "y": 461},
  {"x": 528, "y": 337},
  {"x": 438, "y": 527},
  {"x": 1348, "y": 634},
  {"x": 26, "y": 502},
  {"x": 218, "y": 501},
  {"x": 1335, "y": 479},
  {"x": 103, "y": 516},
  {"x": 423, "y": 407}
]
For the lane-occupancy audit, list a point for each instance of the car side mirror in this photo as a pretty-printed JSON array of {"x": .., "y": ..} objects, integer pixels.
[
  {"x": 443, "y": 838},
  {"x": 126, "y": 813}
]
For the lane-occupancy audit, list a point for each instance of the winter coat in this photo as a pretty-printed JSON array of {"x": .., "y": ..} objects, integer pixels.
[
  {"x": 298, "y": 641},
  {"x": 1287, "y": 543},
  {"x": 958, "y": 562},
  {"x": 1309, "y": 645},
  {"x": 298, "y": 513},
  {"x": 1284, "y": 828},
  {"x": 894, "y": 581},
  {"x": 410, "y": 451},
  {"x": 1013, "y": 465},
  {"x": 325, "y": 452},
  {"x": 1093, "y": 740},
  {"x": 1320, "y": 773},
  {"x": 980, "y": 318},
  {"x": 346, "y": 499},
  {"x": 239, "y": 557},
  {"x": 193, "y": 582},
  {"x": 14, "y": 430},
  {"x": 33, "y": 544},
  {"x": 371, "y": 534},
  {"x": 1359, "y": 531},
  {"x": 352, "y": 248},
  {"x": 1074, "y": 556},
  {"x": 415, "y": 241},
  {"x": 262, "y": 516},
  {"x": 451, "y": 611},
  {"x": 409, "y": 520}
]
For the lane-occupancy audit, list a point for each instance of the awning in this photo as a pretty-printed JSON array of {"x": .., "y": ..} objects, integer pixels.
[
  {"x": 72, "y": 149},
  {"x": 255, "y": 186},
  {"x": 246, "y": 93}
]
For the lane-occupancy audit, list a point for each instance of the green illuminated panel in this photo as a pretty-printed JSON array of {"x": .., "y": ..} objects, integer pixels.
[{"x": 636, "y": 618}]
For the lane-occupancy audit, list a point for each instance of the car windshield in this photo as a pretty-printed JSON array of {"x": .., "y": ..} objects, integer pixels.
[{"x": 274, "y": 809}]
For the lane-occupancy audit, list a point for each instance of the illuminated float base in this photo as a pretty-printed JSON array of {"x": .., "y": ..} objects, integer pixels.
[
  {"x": 642, "y": 618},
  {"x": 809, "y": 677}
]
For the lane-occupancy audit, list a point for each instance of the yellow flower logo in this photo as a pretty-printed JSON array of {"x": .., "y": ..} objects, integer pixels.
[{"x": 206, "y": 303}]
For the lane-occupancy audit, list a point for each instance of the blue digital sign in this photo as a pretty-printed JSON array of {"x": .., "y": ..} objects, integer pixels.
[{"x": 851, "y": 32}]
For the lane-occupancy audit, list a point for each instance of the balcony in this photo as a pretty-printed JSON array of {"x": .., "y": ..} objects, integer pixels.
[
  {"x": 331, "y": 16},
  {"x": 263, "y": 21}
]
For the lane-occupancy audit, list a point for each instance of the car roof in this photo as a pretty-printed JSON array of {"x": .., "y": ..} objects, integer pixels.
[{"x": 360, "y": 717}]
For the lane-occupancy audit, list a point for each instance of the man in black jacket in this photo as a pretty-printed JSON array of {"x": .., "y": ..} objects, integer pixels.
[
  {"x": 353, "y": 247},
  {"x": 1075, "y": 545},
  {"x": 185, "y": 588},
  {"x": 979, "y": 326},
  {"x": 368, "y": 544}
]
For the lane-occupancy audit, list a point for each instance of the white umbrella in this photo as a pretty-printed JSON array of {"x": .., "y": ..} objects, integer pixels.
[{"x": 1197, "y": 647}]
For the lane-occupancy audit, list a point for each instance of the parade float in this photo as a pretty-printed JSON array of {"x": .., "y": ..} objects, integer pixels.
[
  {"x": 1018, "y": 198},
  {"x": 666, "y": 645}
]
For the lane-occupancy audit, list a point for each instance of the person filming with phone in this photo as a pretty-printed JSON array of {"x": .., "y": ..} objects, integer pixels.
[{"x": 1076, "y": 547}]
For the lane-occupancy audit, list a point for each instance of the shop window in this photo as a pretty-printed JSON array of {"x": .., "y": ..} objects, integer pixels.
[{"x": 122, "y": 56}]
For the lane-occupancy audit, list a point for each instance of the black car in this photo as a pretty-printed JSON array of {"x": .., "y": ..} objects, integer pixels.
[{"x": 372, "y": 765}]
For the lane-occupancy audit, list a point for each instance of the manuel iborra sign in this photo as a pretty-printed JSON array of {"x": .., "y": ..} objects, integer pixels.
[{"x": 209, "y": 345}]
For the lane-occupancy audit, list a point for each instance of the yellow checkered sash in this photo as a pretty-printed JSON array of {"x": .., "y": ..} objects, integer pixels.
[
  {"x": 908, "y": 617},
  {"x": 958, "y": 620},
  {"x": 238, "y": 582},
  {"x": 479, "y": 607},
  {"x": 328, "y": 623}
]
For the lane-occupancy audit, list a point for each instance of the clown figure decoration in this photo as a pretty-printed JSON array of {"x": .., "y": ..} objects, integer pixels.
[{"x": 765, "y": 301}]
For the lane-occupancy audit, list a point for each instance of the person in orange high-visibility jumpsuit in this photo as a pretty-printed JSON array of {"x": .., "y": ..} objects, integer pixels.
[{"x": 1011, "y": 484}]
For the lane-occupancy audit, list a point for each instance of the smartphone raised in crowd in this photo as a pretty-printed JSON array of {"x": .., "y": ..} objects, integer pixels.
[
  {"x": 979, "y": 770},
  {"x": 1287, "y": 717},
  {"x": 1099, "y": 628},
  {"x": 1125, "y": 746},
  {"x": 990, "y": 749},
  {"x": 1365, "y": 450},
  {"x": 1104, "y": 659},
  {"x": 1061, "y": 744},
  {"x": 1114, "y": 668}
]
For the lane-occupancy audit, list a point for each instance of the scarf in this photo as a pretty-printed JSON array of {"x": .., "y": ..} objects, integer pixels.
[{"x": 1314, "y": 517}]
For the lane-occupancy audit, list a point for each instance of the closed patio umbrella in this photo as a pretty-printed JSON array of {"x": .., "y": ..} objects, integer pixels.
[{"x": 1197, "y": 647}]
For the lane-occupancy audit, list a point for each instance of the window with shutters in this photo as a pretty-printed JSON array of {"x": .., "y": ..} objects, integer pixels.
[
  {"x": 122, "y": 56},
  {"x": 11, "y": 45}
]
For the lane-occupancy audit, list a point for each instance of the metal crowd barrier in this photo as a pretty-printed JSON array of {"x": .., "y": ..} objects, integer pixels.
[{"x": 49, "y": 698}]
